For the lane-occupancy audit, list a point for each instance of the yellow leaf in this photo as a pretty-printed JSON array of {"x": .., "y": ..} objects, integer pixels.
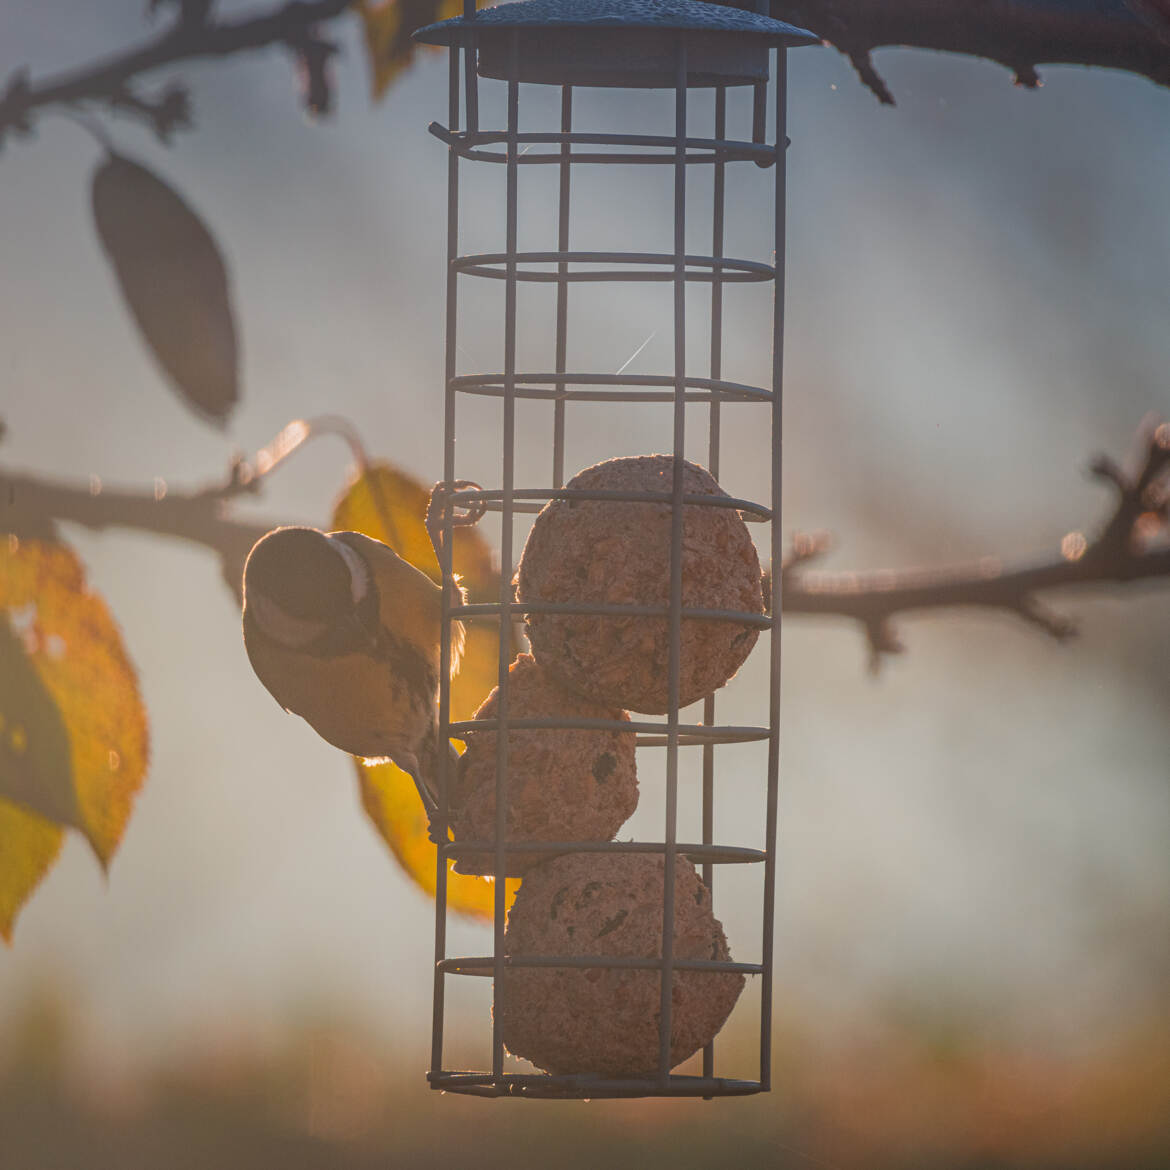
[
  {"x": 390, "y": 506},
  {"x": 28, "y": 847},
  {"x": 65, "y": 636},
  {"x": 388, "y": 25},
  {"x": 391, "y": 802}
]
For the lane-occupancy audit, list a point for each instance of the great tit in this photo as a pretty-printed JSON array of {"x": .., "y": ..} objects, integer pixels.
[{"x": 345, "y": 633}]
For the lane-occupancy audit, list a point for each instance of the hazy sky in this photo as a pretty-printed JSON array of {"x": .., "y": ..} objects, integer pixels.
[{"x": 978, "y": 301}]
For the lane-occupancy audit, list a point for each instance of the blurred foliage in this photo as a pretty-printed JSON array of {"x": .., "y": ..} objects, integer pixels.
[
  {"x": 388, "y": 25},
  {"x": 330, "y": 1096},
  {"x": 73, "y": 725},
  {"x": 391, "y": 506}
]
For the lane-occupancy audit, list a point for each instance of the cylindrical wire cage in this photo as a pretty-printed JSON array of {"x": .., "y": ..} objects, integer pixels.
[{"x": 530, "y": 42}]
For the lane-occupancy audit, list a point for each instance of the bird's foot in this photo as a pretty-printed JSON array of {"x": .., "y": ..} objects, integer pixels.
[{"x": 437, "y": 830}]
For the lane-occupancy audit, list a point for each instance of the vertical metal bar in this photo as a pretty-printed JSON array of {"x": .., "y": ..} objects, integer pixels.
[
  {"x": 777, "y": 537},
  {"x": 760, "y": 94},
  {"x": 717, "y": 219},
  {"x": 562, "y": 289},
  {"x": 676, "y": 541},
  {"x": 506, "y": 548},
  {"x": 760, "y": 112},
  {"x": 713, "y": 436},
  {"x": 471, "y": 70},
  {"x": 445, "y": 567}
]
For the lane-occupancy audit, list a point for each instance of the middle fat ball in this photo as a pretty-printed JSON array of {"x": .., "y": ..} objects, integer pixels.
[{"x": 564, "y": 784}]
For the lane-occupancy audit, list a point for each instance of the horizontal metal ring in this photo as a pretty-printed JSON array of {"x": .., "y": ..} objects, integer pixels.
[
  {"x": 688, "y": 733},
  {"x": 696, "y": 150},
  {"x": 748, "y": 508},
  {"x": 485, "y": 964},
  {"x": 576, "y": 1087},
  {"x": 709, "y": 269},
  {"x": 556, "y": 387},
  {"x": 716, "y": 854},
  {"x": 522, "y": 508},
  {"x": 599, "y": 609}
]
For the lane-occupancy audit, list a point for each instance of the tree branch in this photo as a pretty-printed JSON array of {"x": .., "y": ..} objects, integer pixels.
[
  {"x": 31, "y": 506},
  {"x": 108, "y": 81},
  {"x": 1133, "y": 35},
  {"x": 1131, "y": 546}
]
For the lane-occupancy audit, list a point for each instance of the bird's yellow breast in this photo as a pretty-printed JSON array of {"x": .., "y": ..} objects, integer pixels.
[
  {"x": 377, "y": 701},
  {"x": 354, "y": 701}
]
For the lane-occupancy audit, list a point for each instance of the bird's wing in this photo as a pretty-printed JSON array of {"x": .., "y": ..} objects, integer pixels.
[{"x": 409, "y": 602}]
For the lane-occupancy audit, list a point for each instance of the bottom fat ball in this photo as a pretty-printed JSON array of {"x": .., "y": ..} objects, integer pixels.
[{"x": 604, "y": 1021}]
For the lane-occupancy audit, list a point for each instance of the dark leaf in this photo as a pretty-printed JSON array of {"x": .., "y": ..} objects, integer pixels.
[{"x": 174, "y": 282}]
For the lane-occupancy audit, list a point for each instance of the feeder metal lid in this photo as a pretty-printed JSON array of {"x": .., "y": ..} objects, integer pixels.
[{"x": 655, "y": 15}]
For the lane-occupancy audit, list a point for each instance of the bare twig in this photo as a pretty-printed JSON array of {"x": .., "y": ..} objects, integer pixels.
[
  {"x": 185, "y": 39},
  {"x": 33, "y": 506},
  {"x": 1134, "y": 36},
  {"x": 1131, "y": 546}
]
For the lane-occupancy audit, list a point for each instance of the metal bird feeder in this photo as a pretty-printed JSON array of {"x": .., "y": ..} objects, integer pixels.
[{"x": 681, "y": 45}]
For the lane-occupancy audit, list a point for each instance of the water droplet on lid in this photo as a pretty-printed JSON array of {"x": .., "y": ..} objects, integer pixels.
[
  {"x": 115, "y": 761},
  {"x": 160, "y": 488}
]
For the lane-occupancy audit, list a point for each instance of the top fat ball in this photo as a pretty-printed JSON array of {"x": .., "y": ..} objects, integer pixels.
[{"x": 617, "y": 552}]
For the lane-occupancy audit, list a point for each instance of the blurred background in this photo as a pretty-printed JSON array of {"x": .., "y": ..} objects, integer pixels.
[{"x": 973, "y": 924}]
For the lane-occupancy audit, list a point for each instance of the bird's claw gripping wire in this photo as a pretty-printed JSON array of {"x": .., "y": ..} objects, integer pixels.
[
  {"x": 441, "y": 513},
  {"x": 436, "y": 829}
]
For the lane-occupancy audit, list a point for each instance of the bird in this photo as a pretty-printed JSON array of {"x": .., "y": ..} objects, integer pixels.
[{"x": 345, "y": 633}]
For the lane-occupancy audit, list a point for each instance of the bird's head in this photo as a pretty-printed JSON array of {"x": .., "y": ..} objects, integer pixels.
[{"x": 299, "y": 583}]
